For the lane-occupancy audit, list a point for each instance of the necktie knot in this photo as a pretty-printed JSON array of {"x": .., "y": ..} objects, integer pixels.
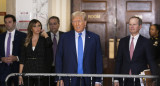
[
  {"x": 132, "y": 38},
  {"x": 9, "y": 34},
  {"x": 79, "y": 34},
  {"x": 54, "y": 35}
]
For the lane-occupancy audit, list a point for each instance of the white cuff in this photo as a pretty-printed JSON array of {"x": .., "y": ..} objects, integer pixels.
[
  {"x": 17, "y": 58},
  {"x": 97, "y": 83},
  {"x": 116, "y": 81}
]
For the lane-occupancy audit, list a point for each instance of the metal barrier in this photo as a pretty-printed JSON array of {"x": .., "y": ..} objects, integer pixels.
[{"x": 102, "y": 76}]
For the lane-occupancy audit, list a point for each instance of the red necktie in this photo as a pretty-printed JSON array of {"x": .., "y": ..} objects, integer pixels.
[
  {"x": 131, "y": 48},
  {"x": 131, "y": 52}
]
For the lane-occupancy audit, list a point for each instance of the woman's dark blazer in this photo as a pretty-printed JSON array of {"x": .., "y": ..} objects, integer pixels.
[{"x": 37, "y": 61}]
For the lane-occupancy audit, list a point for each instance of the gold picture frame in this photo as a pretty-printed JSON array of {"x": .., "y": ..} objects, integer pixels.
[{"x": 2, "y": 14}]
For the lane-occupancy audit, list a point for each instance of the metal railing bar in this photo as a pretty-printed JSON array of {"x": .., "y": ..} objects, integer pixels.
[
  {"x": 80, "y": 75},
  {"x": 83, "y": 75}
]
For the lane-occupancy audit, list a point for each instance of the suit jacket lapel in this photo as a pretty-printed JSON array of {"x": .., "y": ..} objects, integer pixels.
[
  {"x": 73, "y": 44},
  {"x": 87, "y": 40},
  {"x": 138, "y": 44},
  {"x": 3, "y": 43},
  {"x": 15, "y": 42},
  {"x": 127, "y": 47}
]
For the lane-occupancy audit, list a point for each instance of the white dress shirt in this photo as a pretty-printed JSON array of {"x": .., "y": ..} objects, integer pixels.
[
  {"x": 83, "y": 39},
  {"x": 134, "y": 41},
  {"x": 57, "y": 36}
]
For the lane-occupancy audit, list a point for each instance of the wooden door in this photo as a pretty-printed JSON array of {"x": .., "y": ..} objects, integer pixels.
[{"x": 109, "y": 19}]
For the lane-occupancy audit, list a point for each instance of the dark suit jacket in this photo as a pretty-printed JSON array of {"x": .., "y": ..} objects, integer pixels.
[
  {"x": 14, "y": 67},
  {"x": 156, "y": 48},
  {"x": 142, "y": 56},
  {"x": 51, "y": 49},
  {"x": 66, "y": 57},
  {"x": 36, "y": 61}
]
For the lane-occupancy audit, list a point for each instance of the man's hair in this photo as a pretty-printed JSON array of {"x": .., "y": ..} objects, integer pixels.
[
  {"x": 79, "y": 13},
  {"x": 54, "y": 17},
  {"x": 139, "y": 19},
  {"x": 10, "y": 16}
]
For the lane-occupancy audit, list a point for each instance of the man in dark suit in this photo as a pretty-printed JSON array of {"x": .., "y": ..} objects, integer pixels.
[
  {"x": 10, "y": 43},
  {"x": 135, "y": 52},
  {"x": 79, "y": 52},
  {"x": 54, "y": 34}
]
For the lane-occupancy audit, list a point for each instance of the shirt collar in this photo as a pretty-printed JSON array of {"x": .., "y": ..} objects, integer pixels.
[
  {"x": 13, "y": 32},
  {"x": 83, "y": 33},
  {"x": 56, "y": 33},
  {"x": 135, "y": 37}
]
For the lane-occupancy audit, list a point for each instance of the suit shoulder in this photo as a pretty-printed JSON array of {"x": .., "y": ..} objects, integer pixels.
[
  {"x": 124, "y": 38},
  {"x": 144, "y": 38},
  {"x": 21, "y": 33},
  {"x": 66, "y": 34},
  {"x": 92, "y": 34},
  {"x": 3, "y": 34},
  {"x": 61, "y": 32}
]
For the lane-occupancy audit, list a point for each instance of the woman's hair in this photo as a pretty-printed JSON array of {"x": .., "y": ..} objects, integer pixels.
[{"x": 29, "y": 31}]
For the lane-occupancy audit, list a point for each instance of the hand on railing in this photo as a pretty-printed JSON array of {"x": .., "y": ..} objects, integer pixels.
[
  {"x": 20, "y": 80},
  {"x": 61, "y": 83},
  {"x": 154, "y": 83},
  {"x": 116, "y": 83},
  {"x": 97, "y": 84}
]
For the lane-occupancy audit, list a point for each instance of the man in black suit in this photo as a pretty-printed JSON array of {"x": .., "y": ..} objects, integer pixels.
[
  {"x": 10, "y": 44},
  {"x": 54, "y": 34},
  {"x": 135, "y": 52}
]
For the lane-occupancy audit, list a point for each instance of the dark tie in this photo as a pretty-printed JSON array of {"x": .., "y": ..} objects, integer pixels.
[
  {"x": 131, "y": 52},
  {"x": 80, "y": 54},
  {"x": 54, "y": 48},
  {"x": 8, "y": 46}
]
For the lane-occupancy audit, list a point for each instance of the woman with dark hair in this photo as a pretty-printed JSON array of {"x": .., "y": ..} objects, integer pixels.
[
  {"x": 33, "y": 54},
  {"x": 155, "y": 38}
]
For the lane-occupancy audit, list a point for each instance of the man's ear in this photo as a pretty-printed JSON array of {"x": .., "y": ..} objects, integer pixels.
[
  {"x": 85, "y": 23},
  {"x": 140, "y": 26}
]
